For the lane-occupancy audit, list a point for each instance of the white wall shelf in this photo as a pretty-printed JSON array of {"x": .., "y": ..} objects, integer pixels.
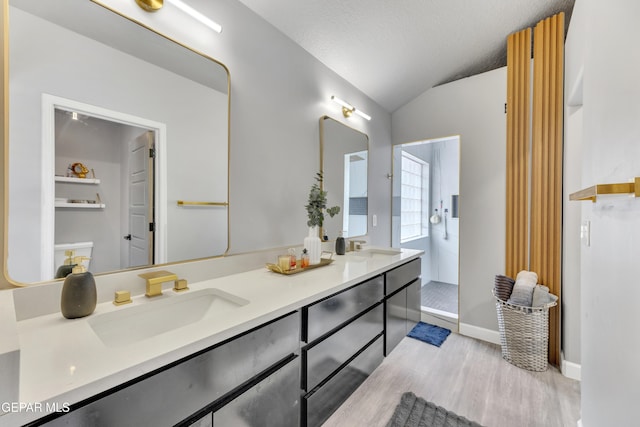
[
  {"x": 80, "y": 205},
  {"x": 75, "y": 180}
]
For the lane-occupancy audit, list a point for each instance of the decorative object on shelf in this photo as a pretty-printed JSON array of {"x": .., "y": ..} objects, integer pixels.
[
  {"x": 79, "y": 170},
  {"x": 315, "y": 211}
]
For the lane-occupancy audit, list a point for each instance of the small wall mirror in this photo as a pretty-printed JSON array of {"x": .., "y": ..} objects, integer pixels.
[
  {"x": 344, "y": 160},
  {"x": 118, "y": 143}
]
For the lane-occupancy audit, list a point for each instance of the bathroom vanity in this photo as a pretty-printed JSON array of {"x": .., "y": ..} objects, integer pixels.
[{"x": 286, "y": 350}]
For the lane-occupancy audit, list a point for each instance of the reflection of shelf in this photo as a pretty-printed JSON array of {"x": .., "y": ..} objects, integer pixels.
[
  {"x": 77, "y": 180},
  {"x": 592, "y": 193},
  {"x": 80, "y": 205},
  {"x": 187, "y": 203}
]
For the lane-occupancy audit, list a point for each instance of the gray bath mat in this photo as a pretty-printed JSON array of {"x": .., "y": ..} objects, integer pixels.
[{"x": 416, "y": 412}]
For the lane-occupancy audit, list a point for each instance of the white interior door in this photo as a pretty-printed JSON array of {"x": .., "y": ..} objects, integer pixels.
[{"x": 141, "y": 230}]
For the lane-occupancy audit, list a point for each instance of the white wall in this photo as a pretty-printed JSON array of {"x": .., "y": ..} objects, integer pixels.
[
  {"x": 474, "y": 109},
  {"x": 609, "y": 270},
  {"x": 573, "y": 125}
]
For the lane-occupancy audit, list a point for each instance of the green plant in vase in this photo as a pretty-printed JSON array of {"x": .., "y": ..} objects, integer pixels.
[
  {"x": 316, "y": 209},
  {"x": 318, "y": 204}
]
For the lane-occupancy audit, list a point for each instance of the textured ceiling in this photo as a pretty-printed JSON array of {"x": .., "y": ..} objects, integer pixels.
[{"x": 394, "y": 50}]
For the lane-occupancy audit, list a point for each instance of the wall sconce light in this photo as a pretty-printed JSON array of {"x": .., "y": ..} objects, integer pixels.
[
  {"x": 154, "y": 5},
  {"x": 348, "y": 109}
]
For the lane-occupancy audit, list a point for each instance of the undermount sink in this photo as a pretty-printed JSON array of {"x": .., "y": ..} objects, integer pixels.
[
  {"x": 372, "y": 252},
  {"x": 139, "y": 322}
]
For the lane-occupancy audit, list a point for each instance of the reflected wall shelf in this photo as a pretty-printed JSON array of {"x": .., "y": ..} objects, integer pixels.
[
  {"x": 80, "y": 205},
  {"x": 75, "y": 180},
  {"x": 595, "y": 191}
]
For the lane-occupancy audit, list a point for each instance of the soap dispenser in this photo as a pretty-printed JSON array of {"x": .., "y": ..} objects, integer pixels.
[
  {"x": 67, "y": 267},
  {"x": 79, "y": 296},
  {"x": 340, "y": 245}
]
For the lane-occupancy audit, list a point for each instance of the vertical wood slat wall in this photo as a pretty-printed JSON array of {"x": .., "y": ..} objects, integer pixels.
[
  {"x": 546, "y": 166},
  {"x": 518, "y": 112},
  {"x": 535, "y": 243}
]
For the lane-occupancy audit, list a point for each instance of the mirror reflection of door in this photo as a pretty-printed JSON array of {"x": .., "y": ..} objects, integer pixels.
[
  {"x": 111, "y": 209},
  {"x": 141, "y": 223}
]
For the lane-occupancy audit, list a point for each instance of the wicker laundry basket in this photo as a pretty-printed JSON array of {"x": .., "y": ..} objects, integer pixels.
[{"x": 524, "y": 333}]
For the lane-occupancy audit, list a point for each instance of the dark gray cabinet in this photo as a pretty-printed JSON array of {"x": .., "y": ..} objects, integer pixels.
[
  {"x": 402, "y": 302},
  {"x": 186, "y": 390},
  {"x": 345, "y": 339},
  {"x": 293, "y": 371}
]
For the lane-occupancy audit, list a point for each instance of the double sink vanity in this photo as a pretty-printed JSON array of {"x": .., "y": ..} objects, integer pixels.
[{"x": 246, "y": 346}]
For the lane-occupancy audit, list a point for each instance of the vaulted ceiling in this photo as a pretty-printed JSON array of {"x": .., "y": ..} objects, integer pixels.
[{"x": 393, "y": 50}]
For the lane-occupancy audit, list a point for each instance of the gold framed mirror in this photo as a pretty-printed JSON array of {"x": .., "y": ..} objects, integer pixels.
[
  {"x": 146, "y": 116},
  {"x": 344, "y": 163}
]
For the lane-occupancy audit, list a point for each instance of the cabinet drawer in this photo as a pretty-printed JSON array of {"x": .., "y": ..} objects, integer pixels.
[
  {"x": 320, "y": 360},
  {"x": 273, "y": 402},
  {"x": 319, "y": 405},
  {"x": 178, "y": 392},
  {"x": 400, "y": 276},
  {"x": 325, "y": 315}
]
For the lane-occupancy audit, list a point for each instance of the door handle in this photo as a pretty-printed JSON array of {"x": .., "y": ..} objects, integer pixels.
[{"x": 127, "y": 237}]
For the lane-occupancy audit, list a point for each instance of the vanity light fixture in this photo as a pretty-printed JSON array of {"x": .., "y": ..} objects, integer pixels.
[
  {"x": 348, "y": 109},
  {"x": 154, "y": 5}
]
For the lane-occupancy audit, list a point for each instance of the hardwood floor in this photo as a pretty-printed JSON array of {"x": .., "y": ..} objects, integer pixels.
[{"x": 468, "y": 377}]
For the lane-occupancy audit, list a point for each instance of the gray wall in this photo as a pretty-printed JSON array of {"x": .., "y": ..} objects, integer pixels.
[
  {"x": 610, "y": 152},
  {"x": 278, "y": 94},
  {"x": 474, "y": 109},
  {"x": 61, "y": 63}
]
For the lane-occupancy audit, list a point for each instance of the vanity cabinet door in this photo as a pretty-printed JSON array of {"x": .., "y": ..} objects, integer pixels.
[
  {"x": 396, "y": 320},
  {"x": 402, "y": 314}
]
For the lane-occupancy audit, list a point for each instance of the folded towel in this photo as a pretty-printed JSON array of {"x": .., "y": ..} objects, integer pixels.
[
  {"x": 522, "y": 293},
  {"x": 540, "y": 296},
  {"x": 529, "y": 276},
  {"x": 503, "y": 286}
]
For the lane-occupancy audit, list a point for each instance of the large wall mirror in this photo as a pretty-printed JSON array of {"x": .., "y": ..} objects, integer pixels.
[
  {"x": 118, "y": 143},
  {"x": 344, "y": 163}
]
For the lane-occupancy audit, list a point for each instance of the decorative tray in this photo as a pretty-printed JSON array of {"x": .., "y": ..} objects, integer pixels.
[{"x": 276, "y": 269}]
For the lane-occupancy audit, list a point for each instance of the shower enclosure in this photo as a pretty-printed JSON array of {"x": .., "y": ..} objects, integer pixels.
[{"x": 425, "y": 216}]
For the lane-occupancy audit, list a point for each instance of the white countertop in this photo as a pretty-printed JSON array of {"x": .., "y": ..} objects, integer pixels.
[{"x": 64, "y": 361}]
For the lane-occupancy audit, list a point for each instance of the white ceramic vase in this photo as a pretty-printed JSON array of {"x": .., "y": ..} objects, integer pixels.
[{"x": 313, "y": 245}]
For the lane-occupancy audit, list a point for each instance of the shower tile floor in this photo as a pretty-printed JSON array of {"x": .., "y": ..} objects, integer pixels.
[{"x": 440, "y": 296}]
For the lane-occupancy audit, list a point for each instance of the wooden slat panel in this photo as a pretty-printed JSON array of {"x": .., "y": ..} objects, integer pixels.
[
  {"x": 546, "y": 165},
  {"x": 518, "y": 99}
]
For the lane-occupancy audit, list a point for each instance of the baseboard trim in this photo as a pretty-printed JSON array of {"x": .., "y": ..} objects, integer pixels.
[
  {"x": 479, "y": 333},
  {"x": 570, "y": 369}
]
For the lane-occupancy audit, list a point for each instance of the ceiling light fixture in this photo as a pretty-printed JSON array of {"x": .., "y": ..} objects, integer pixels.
[
  {"x": 348, "y": 109},
  {"x": 154, "y": 5}
]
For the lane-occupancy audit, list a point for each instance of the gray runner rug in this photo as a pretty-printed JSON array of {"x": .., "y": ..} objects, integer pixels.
[{"x": 416, "y": 412}]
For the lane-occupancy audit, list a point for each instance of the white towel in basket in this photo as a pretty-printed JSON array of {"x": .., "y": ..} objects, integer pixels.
[{"x": 522, "y": 294}]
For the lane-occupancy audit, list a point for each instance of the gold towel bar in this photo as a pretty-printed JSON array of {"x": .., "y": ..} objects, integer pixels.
[{"x": 187, "y": 203}]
